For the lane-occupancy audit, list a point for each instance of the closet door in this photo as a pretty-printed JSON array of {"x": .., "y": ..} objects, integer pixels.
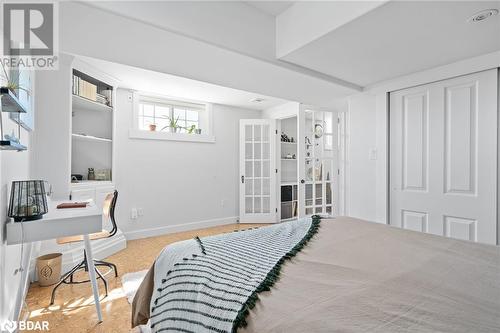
[
  {"x": 257, "y": 170},
  {"x": 443, "y": 157},
  {"x": 318, "y": 168}
]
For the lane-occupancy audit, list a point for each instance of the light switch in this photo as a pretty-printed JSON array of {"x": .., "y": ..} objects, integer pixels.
[
  {"x": 372, "y": 155},
  {"x": 133, "y": 214}
]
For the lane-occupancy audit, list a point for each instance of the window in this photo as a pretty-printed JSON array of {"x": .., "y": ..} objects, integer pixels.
[{"x": 170, "y": 116}]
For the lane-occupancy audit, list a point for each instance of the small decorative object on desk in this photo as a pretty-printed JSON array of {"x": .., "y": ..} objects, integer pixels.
[
  {"x": 72, "y": 205},
  {"x": 103, "y": 174},
  {"x": 152, "y": 127},
  {"x": 28, "y": 200},
  {"x": 91, "y": 174}
]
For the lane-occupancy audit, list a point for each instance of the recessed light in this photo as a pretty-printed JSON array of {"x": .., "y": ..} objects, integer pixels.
[
  {"x": 483, "y": 15},
  {"x": 257, "y": 100}
]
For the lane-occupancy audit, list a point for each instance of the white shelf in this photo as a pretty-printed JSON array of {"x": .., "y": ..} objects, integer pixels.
[
  {"x": 289, "y": 183},
  {"x": 87, "y": 104},
  {"x": 288, "y": 143},
  {"x": 89, "y": 138},
  {"x": 289, "y": 159},
  {"x": 83, "y": 183}
]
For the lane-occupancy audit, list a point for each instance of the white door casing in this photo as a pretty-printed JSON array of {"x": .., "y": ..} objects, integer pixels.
[
  {"x": 257, "y": 171},
  {"x": 443, "y": 157}
]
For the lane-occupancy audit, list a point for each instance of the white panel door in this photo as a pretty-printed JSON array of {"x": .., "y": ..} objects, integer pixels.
[
  {"x": 443, "y": 157},
  {"x": 257, "y": 170}
]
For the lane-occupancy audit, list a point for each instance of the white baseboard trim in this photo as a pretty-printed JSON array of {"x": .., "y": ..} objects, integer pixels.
[{"x": 152, "y": 232}]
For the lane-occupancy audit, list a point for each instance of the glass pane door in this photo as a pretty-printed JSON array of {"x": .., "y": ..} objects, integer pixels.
[
  {"x": 257, "y": 183},
  {"x": 320, "y": 164}
]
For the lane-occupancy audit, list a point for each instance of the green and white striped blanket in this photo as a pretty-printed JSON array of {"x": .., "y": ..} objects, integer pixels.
[{"x": 210, "y": 284}]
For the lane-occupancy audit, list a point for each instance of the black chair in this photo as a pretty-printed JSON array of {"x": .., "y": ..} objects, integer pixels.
[{"x": 68, "y": 278}]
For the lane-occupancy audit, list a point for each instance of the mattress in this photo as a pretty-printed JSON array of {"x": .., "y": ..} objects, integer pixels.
[{"x": 358, "y": 276}]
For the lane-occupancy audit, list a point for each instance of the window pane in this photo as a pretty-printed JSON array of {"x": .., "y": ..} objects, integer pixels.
[
  {"x": 161, "y": 124},
  {"x": 192, "y": 115},
  {"x": 146, "y": 121},
  {"x": 148, "y": 110},
  {"x": 179, "y": 113},
  {"x": 162, "y": 112}
]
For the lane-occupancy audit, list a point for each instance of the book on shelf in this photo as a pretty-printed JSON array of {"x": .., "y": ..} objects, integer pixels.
[{"x": 90, "y": 91}]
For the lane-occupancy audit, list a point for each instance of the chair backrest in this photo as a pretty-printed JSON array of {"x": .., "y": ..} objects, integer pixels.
[{"x": 108, "y": 210}]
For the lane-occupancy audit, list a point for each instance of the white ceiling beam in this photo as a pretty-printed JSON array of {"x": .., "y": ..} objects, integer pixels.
[
  {"x": 123, "y": 40},
  {"x": 307, "y": 21}
]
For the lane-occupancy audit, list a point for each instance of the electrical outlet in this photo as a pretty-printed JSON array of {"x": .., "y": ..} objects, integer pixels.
[
  {"x": 133, "y": 214},
  {"x": 223, "y": 203},
  {"x": 140, "y": 212}
]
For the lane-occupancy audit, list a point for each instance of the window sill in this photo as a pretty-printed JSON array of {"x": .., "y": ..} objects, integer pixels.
[{"x": 165, "y": 136}]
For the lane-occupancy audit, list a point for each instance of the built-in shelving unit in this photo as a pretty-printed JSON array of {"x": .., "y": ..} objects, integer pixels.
[
  {"x": 90, "y": 105},
  {"x": 91, "y": 127},
  {"x": 288, "y": 154},
  {"x": 10, "y": 103}
]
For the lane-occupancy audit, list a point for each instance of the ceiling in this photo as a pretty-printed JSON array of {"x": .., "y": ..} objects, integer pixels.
[
  {"x": 341, "y": 46},
  {"x": 401, "y": 37},
  {"x": 272, "y": 8},
  {"x": 178, "y": 87}
]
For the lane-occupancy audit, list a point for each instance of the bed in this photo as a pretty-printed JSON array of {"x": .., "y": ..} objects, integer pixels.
[{"x": 358, "y": 276}]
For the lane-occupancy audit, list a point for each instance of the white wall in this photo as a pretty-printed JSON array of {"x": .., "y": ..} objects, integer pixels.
[
  {"x": 360, "y": 196},
  {"x": 179, "y": 185},
  {"x": 13, "y": 166}
]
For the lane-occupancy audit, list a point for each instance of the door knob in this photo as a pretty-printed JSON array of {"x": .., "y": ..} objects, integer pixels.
[{"x": 302, "y": 181}]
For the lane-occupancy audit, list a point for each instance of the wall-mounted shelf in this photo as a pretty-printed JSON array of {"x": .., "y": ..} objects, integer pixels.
[
  {"x": 89, "y": 138},
  {"x": 11, "y": 145},
  {"x": 88, "y": 104},
  {"x": 10, "y": 102}
]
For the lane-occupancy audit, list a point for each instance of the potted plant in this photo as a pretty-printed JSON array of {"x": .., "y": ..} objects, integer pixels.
[
  {"x": 172, "y": 125},
  {"x": 191, "y": 129},
  {"x": 10, "y": 82},
  {"x": 152, "y": 127}
]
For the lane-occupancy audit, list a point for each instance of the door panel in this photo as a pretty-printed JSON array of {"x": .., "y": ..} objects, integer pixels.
[
  {"x": 443, "y": 157},
  {"x": 257, "y": 175},
  {"x": 318, "y": 168}
]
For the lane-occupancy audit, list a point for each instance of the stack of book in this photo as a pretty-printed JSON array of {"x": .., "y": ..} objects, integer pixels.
[
  {"x": 101, "y": 99},
  {"x": 90, "y": 91},
  {"x": 83, "y": 88}
]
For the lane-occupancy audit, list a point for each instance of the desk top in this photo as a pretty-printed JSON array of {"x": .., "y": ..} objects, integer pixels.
[
  {"x": 56, "y": 223},
  {"x": 65, "y": 213}
]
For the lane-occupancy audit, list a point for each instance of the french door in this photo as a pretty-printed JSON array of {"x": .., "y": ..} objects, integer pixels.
[
  {"x": 318, "y": 165},
  {"x": 443, "y": 157},
  {"x": 257, "y": 170}
]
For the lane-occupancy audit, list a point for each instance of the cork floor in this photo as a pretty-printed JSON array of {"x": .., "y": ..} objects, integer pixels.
[{"x": 74, "y": 310}]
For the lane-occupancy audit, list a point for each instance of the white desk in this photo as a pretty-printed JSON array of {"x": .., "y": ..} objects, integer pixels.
[{"x": 57, "y": 223}]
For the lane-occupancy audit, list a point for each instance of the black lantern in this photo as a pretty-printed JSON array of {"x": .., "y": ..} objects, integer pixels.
[{"x": 28, "y": 200}]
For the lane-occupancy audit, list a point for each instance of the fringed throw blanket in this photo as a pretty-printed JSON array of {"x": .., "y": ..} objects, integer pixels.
[{"x": 209, "y": 284}]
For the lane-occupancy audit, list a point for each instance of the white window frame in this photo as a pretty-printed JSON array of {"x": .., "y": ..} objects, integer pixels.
[{"x": 205, "y": 118}]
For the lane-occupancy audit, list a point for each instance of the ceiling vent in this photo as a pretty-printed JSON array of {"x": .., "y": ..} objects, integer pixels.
[{"x": 482, "y": 15}]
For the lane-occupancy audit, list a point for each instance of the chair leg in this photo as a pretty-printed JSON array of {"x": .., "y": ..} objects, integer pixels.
[
  {"x": 103, "y": 280},
  {"x": 63, "y": 280},
  {"x": 107, "y": 264}
]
